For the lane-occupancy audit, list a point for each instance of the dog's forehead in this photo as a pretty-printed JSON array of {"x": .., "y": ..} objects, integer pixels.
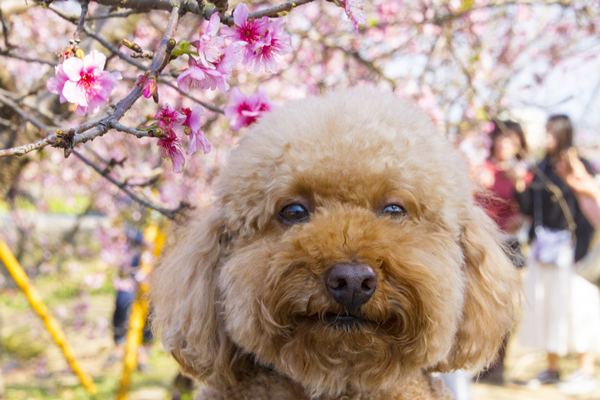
[{"x": 358, "y": 144}]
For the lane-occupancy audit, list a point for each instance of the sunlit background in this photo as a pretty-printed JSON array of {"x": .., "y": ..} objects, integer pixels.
[{"x": 464, "y": 62}]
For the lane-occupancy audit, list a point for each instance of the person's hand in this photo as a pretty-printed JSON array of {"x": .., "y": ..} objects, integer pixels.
[
  {"x": 571, "y": 170},
  {"x": 485, "y": 178},
  {"x": 517, "y": 174}
]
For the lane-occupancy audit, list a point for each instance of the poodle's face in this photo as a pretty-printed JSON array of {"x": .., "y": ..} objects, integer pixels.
[{"x": 344, "y": 250}]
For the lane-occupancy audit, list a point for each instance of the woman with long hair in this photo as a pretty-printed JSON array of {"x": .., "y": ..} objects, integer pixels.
[{"x": 562, "y": 310}]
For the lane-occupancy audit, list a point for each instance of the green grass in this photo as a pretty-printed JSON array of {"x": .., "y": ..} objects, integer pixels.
[
  {"x": 63, "y": 290},
  {"x": 60, "y": 206},
  {"x": 55, "y": 206}
]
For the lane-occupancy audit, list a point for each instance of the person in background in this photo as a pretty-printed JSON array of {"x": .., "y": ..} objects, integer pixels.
[
  {"x": 508, "y": 146},
  {"x": 574, "y": 173},
  {"x": 507, "y": 150},
  {"x": 561, "y": 310},
  {"x": 126, "y": 288}
]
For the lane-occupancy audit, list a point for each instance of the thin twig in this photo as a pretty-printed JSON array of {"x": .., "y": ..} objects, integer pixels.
[
  {"x": 113, "y": 15},
  {"x": 100, "y": 39},
  {"x": 8, "y": 102},
  {"x": 29, "y": 59},
  {"x": 124, "y": 187},
  {"x": 137, "y": 132},
  {"x": 71, "y": 138},
  {"x": 138, "y": 51},
  {"x": 150, "y": 5},
  {"x": 84, "y": 11},
  {"x": 273, "y": 12},
  {"x": 203, "y": 104},
  {"x": 95, "y": 121},
  {"x": 5, "y": 31}
]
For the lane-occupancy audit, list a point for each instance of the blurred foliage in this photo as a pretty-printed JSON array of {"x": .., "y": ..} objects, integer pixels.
[{"x": 20, "y": 344}]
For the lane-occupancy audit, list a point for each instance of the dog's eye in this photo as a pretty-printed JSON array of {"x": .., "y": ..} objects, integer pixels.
[
  {"x": 395, "y": 210},
  {"x": 294, "y": 213}
]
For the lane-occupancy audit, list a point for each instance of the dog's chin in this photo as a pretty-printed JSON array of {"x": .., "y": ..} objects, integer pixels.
[{"x": 331, "y": 353}]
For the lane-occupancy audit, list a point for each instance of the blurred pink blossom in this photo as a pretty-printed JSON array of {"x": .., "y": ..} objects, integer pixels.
[
  {"x": 275, "y": 42},
  {"x": 88, "y": 85},
  {"x": 170, "y": 148},
  {"x": 124, "y": 284},
  {"x": 488, "y": 127},
  {"x": 523, "y": 13},
  {"x": 232, "y": 56},
  {"x": 94, "y": 281},
  {"x": 264, "y": 39},
  {"x": 193, "y": 127},
  {"x": 246, "y": 110},
  {"x": 354, "y": 11}
]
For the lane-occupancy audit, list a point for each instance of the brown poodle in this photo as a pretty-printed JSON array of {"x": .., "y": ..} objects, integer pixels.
[{"x": 343, "y": 258}]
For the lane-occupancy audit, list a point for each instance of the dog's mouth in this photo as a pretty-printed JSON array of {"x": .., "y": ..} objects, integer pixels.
[{"x": 346, "y": 320}]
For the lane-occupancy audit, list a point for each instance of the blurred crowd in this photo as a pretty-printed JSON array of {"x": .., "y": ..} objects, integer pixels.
[{"x": 547, "y": 210}]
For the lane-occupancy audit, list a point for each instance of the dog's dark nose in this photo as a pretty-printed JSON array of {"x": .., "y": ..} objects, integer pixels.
[{"x": 351, "y": 285}]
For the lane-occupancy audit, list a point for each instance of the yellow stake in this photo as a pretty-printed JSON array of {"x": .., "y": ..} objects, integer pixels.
[
  {"x": 139, "y": 311},
  {"x": 38, "y": 305}
]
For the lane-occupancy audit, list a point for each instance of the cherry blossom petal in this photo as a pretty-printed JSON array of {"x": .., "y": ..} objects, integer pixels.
[
  {"x": 213, "y": 24},
  {"x": 240, "y": 14},
  {"x": 73, "y": 67},
  {"x": 75, "y": 93},
  {"x": 94, "y": 61}
]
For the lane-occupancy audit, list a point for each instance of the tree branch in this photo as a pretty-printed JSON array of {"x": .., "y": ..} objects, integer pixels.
[
  {"x": 203, "y": 104},
  {"x": 84, "y": 11},
  {"x": 150, "y": 5},
  {"x": 124, "y": 187},
  {"x": 5, "y": 31},
  {"x": 100, "y": 39},
  {"x": 273, "y": 12},
  {"x": 132, "y": 131},
  {"x": 7, "y": 53},
  {"x": 113, "y": 15},
  {"x": 8, "y": 102}
]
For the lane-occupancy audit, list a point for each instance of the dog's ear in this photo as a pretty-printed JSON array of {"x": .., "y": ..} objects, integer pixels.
[
  {"x": 185, "y": 299},
  {"x": 492, "y": 293}
]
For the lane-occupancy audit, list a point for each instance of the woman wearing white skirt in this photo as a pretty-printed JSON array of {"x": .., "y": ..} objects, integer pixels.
[{"x": 561, "y": 309}]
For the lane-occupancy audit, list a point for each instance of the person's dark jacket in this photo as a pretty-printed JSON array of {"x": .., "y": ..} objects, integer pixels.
[{"x": 552, "y": 215}]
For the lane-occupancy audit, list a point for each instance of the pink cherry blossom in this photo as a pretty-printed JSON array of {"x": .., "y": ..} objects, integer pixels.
[
  {"x": 88, "y": 85},
  {"x": 193, "y": 127},
  {"x": 246, "y": 110},
  {"x": 196, "y": 76},
  {"x": 275, "y": 41},
  {"x": 168, "y": 118},
  {"x": 169, "y": 148},
  {"x": 210, "y": 47},
  {"x": 56, "y": 85},
  {"x": 250, "y": 31},
  {"x": 150, "y": 86},
  {"x": 232, "y": 56},
  {"x": 354, "y": 11},
  {"x": 215, "y": 76}
]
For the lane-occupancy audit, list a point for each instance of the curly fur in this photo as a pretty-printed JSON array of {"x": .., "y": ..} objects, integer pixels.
[{"x": 240, "y": 298}]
